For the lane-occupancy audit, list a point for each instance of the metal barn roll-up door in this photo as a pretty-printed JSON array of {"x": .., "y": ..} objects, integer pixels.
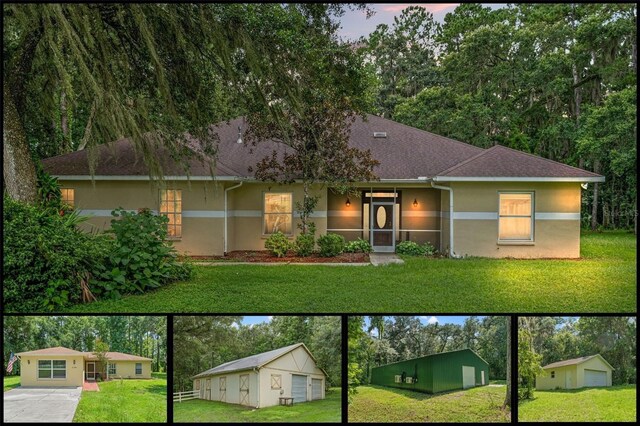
[
  {"x": 299, "y": 388},
  {"x": 316, "y": 389},
  {"x": 468, "y": 377},
  {"x": 595, "y": 378}
]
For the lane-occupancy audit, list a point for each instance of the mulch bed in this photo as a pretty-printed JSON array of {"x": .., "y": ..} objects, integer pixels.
[{"x": 265, "y": 256}]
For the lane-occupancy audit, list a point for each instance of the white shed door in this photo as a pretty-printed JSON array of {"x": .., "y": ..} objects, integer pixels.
[
  {"x": 468, "y": 377},
  {"x": 595, "y": 378},
  {"x": 316, "y": 389},
  {"x": 244, "y": 389},
  {"x": 299, "y": 388}
]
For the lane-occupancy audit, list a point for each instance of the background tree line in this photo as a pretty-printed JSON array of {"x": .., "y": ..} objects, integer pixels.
[
  {"x": 543, "y": 340},
  {"x": 204, "y": 342},
  {"x": 556, "y": 80},
  {"x": 138, "y": 335},
  {"x": 390, "y": 339}
]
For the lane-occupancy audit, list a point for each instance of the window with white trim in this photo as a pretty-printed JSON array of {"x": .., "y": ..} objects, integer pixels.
[
  {"x": 68, "y": 196},
  {"x": 515, "y": 216},
  {"x": 138, "y": 368},
  {"x": 171, "y": 206},
  {"x": 197, "y": 384},
  {"x": 52, "y": 369},
  {"x": 112, "y": 369},
  {"x": 398, "y": 378},
  {"x": 553, "y": 374},
  {"x": 278, "y": 213},
  {"x": 276, "y": 381}
]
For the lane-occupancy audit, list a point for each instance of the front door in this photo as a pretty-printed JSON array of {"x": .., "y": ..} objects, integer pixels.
[
  {"x": 91, "y": 370},
  {"x": 568, "y": 380},
  {"x": 382, "y": 232}
]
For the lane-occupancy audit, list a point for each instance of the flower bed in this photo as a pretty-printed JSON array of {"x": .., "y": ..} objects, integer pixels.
[{"x": 264, "y": 256}]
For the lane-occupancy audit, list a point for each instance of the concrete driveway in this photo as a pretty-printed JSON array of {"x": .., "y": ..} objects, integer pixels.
[{"x": 41, "y": 404}]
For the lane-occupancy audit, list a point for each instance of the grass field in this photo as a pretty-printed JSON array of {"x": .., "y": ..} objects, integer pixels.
[
  {"x": 130, "y": 400},
  {"x": 326, "y": 410},
  {"x": 613, "y": 404},
  {"x": 380, "y": 404},
  {"x": 11, "y": 382},
  {"x": 603, "y": 280}
]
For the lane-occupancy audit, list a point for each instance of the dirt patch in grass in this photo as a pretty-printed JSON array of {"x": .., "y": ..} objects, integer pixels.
[{"x": 265, "y": 256}]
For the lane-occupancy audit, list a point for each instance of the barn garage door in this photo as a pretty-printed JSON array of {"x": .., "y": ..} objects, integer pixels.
[
  {"x": 223, "y": 389},
  {"x": 316, "y": 389},
  {"x": 299, "y": 388},
  {"x": 244, "y": 389},
  {"x": 595, "y": 378},
  {"x": 468, "y": 377}
]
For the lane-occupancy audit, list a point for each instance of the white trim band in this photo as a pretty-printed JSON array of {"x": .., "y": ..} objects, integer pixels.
[
  {"x": 423, "y": 213},
  {"x": 344, "y": 213}
]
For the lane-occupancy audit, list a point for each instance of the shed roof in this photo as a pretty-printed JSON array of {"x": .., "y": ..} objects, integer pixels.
[
  {"x": 57, "y": 350},
  {"x": 253, "y": 361},
  {"x": 436, "y": 354},
  {"x": 405, "y": 153},
  {"x": 576, "y": 361}
]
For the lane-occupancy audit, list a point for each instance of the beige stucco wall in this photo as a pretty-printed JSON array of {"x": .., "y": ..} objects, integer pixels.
[
  {"x": 29, "y": 371},
  {"x": 553, "y": 238},
  {"x": 232, "y": 395},
  {"x": 571, "y": 376},
  {"x": 127, "y": 369}
]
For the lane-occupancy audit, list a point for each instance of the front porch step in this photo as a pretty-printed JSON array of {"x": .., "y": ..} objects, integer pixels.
[{"x": 378, "y": 259}]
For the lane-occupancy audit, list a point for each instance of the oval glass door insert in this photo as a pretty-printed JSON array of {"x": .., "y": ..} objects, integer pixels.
[{"x": 381, "y": 217}]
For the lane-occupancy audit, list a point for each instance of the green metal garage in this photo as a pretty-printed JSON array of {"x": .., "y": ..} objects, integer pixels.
[{"x": 434, "y": 373}]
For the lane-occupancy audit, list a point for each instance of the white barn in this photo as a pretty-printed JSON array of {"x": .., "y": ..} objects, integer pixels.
[{"x": 261, "y": 380}]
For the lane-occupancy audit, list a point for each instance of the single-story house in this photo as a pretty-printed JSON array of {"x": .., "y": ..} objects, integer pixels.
[
  {"x": 261, "y": 380},
  {"x": 440, "y": 372},
  {"x": 586, "y": 371},
  {"x": 59, "y": 366},
  {"x": 464, "y": 200}
]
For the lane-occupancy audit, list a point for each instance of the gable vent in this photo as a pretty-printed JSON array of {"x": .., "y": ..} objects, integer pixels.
[{"x": 379, "y": 134}]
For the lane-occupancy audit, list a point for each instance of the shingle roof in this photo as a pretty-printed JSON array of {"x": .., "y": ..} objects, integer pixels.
[
  {"x": 500, "y": 161},
  {"x": 57, "y": 350},
  {"x": 574, "y": 361},
  {"x": 117, "y": 356},
  {"x": 405, "y": 153},
  {"x": 253, "y": 361}
]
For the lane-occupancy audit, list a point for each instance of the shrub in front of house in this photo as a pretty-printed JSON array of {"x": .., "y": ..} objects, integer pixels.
[
  {"x": 278, "y": 244},
  {"x": 412, "y": 248},
  {"x": 305, "y": 243},
  {"x": 46, "y": 258},
  {"x": 141, "y": 257},
  {"x": 331, "y": 245},
  {"x": 358, "y": 246}
]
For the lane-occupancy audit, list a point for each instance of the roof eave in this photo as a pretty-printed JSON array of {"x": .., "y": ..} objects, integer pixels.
[
  {"x": 517, "y": 179},
  {"x": 138, "y": 177}
]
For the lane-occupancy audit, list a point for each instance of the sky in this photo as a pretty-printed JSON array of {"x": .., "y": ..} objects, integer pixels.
[
  {"x": 256, "y": 319},
  {"x": 432, "y": 319},
  {"x": 355, "y": 24}
]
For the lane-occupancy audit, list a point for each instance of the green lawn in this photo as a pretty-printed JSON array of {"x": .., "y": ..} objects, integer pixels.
[
  {"x": 326, "y": 410},
  {"x": 604, "y": 280},
  {"x": 613, "y": 404},
  {"x": 380, "y": 404},
  {"x": 11, "y": 382},
  {"x": 128, "y": 400}
]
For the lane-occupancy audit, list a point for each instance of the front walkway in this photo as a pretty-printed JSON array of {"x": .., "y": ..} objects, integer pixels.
[
  {"x": 41, "y": 405},
  {"x": 378, "y": 259},
  {"x": 91, "y": 386}
]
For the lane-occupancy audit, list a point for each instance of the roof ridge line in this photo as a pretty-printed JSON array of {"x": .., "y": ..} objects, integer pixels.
[{"x": 463, "y": 162}]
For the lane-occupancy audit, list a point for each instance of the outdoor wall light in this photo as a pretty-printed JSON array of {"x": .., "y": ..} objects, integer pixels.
[
  {"x": 29, "y": 362},
  {"x": 348, "y": 203},
  {"x": 415, "y": 202},
  {"x": 239, "y": 135}
]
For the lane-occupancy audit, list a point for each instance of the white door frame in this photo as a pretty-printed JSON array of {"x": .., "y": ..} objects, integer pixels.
[{"x": 372, "y": 208}]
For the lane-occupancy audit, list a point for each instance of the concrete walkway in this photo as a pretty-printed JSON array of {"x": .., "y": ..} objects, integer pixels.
[
  {"x": 378, "y": 259},
  {"x": 41, "y": 405}
]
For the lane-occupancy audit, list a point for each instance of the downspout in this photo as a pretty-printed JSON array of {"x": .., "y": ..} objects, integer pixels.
[
  {"x": 225, "y": 213},
  {"x": 447, "y": 188}
]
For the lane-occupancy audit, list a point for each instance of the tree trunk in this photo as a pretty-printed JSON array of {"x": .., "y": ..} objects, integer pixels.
[
  {"x": 594, "y": 206},
  {"x": 507, "y": 398},
  {"x": 64, "y": 123},
  {"x": 19, "y": 171}
]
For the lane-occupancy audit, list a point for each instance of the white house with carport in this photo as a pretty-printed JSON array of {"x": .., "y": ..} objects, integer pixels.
[
  {"x": 586, "y": 371},
  {"x": 265, "y": 379}
]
